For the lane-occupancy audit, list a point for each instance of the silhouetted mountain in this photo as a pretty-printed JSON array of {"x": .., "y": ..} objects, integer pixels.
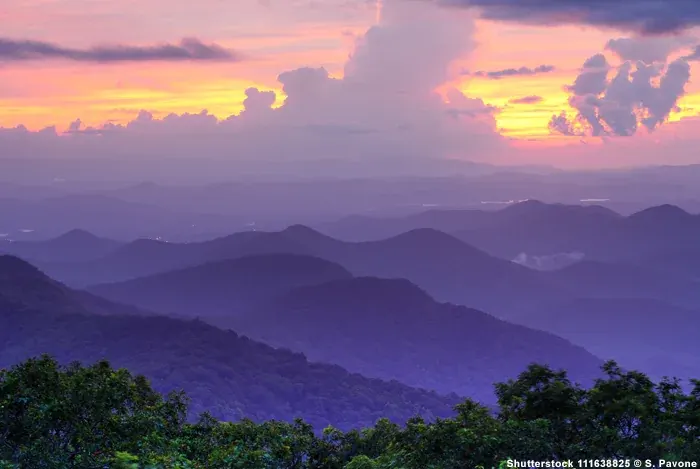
[
  {"x": 391, "y": 329},
  {"x": 145, "y": 257},
  {"x": 595, "y": 231},
  {"x": 659, "y": 228},
  {"x": 535, "y": 228},
  {"x": 537, "y": 208},
  {"x": 646, "y": 334},
  {"x": 364, "y": 228},
  {"x": 74, "y": 246},
  {"x": 225, "y": 287},
  {"x": 653, "y": 236},
  {"x": 139, "y": 257},
  {"x": 443, "y": 265},
  {"x": 446, "y": 267},
  {"x": 24, "y": 287},
  {"x": 665, "y": 214},
  {"x": 449, "y": 269},
  {"x": 226, "y": 374},
  {"x": 358, "y": 228}
]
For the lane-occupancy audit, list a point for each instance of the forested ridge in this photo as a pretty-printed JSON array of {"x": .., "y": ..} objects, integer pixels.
[
  {"x": 96, "y": 416},
  {"x": 224, "y": 373}
]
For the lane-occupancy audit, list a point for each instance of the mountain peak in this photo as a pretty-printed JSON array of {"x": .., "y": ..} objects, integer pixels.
[
  {"x": 303, "y": 234},
  {"x": 530, "y": 208},
  {"x": 363, "y": 293},
  {"x": 430, "y": 240},
  {"x": 289, "y": 261},
  {"x": 24, "y": 286},
  {"x": 662, "y": 213},
  {"x": 529, "y": 204},
  {"x": 12, "y": 267},
  {"x": 302, "y": 230},
  {"x": 77, "y": 235},
  {"x": 426, "y": 235}
]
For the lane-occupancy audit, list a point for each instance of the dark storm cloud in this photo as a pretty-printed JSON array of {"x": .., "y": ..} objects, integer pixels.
[
  {"x": 514, "y": 72},
  {"x": 648, "y": 17},
  {"x": 188, "y": 49},
  {"x": 526, "y": 100},
  {"x": 648, "y": 49},
  {"x": 638, "y": 94}
]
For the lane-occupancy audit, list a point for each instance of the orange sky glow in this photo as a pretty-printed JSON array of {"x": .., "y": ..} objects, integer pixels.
[{"x": 48, "y": 93}]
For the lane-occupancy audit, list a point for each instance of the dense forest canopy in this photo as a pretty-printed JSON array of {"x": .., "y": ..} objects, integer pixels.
[
  {"x": 224, "y": 373},
  {"x": 95, "y": 416}
]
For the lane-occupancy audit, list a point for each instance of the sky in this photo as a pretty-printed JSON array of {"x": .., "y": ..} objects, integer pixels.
[{"x": 570, "y": 83}]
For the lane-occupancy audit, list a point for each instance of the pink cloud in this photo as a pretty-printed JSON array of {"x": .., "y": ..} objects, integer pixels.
[{"x": 385, "y": 105}]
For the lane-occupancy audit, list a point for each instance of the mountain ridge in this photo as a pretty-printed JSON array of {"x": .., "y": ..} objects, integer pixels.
[
  {"x": 225, "y": 373},
  {"x": 222, "y": 287},
  {"x": 392, "y": 329},
  {"x": 24, "y": 286}
]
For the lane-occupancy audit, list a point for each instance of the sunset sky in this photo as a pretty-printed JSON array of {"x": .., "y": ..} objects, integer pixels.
[{"x": 104, "y": 62}]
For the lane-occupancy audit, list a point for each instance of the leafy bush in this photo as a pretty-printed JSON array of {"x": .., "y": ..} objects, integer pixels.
[{"x": 97, "y": 417}]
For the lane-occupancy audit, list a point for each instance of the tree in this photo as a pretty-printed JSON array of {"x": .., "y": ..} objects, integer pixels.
[
  {"x": 95, "y": 417},
  {"x": 75, "y": 416}
]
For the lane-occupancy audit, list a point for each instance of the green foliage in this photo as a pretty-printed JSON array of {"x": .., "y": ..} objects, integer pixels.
[
  {"x": 97, "y": 417},
  {"x": 124, "y": 460},
  {"x": 226, "y": 374},
  {"x": 62, "y": 417}
]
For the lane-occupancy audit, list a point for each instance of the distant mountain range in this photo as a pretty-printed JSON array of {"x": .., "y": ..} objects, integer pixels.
[
  {"x": 224, "y": 373},
  {"x": 391, "y": 329},
  {"x": 106, "y": 216},
  {"x": 447, "y": 268},
  {"x": 73, "y": 246},
  {"x": 530, "y": 212},
  {"x": 223, "y": 288},
  {"x": 382, "y": 328},
  {"x": 662, "y": 237},
  {"x": 645, "y": 334},
  {"x": 225, "y": 292},
  {"x": 146, "y": 257},
  {"x": 51, "y": 197},
  {"x": 648, "y": 260},
  {"x": 24, "y": 287}
]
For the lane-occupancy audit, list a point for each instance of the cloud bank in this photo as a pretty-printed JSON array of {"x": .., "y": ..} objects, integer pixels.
[
  {"x": 646, "y": 17},
  {"x": 549, "y": 262},
  {"x": 385, "y": 106},
  {"x": 648, "y": 49},
  {"x": 515, "y": 72},
  {"x": 527, "y": 100},
  {"x": 631, "y": 99},
  {"x": 188, "y": 49}
]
